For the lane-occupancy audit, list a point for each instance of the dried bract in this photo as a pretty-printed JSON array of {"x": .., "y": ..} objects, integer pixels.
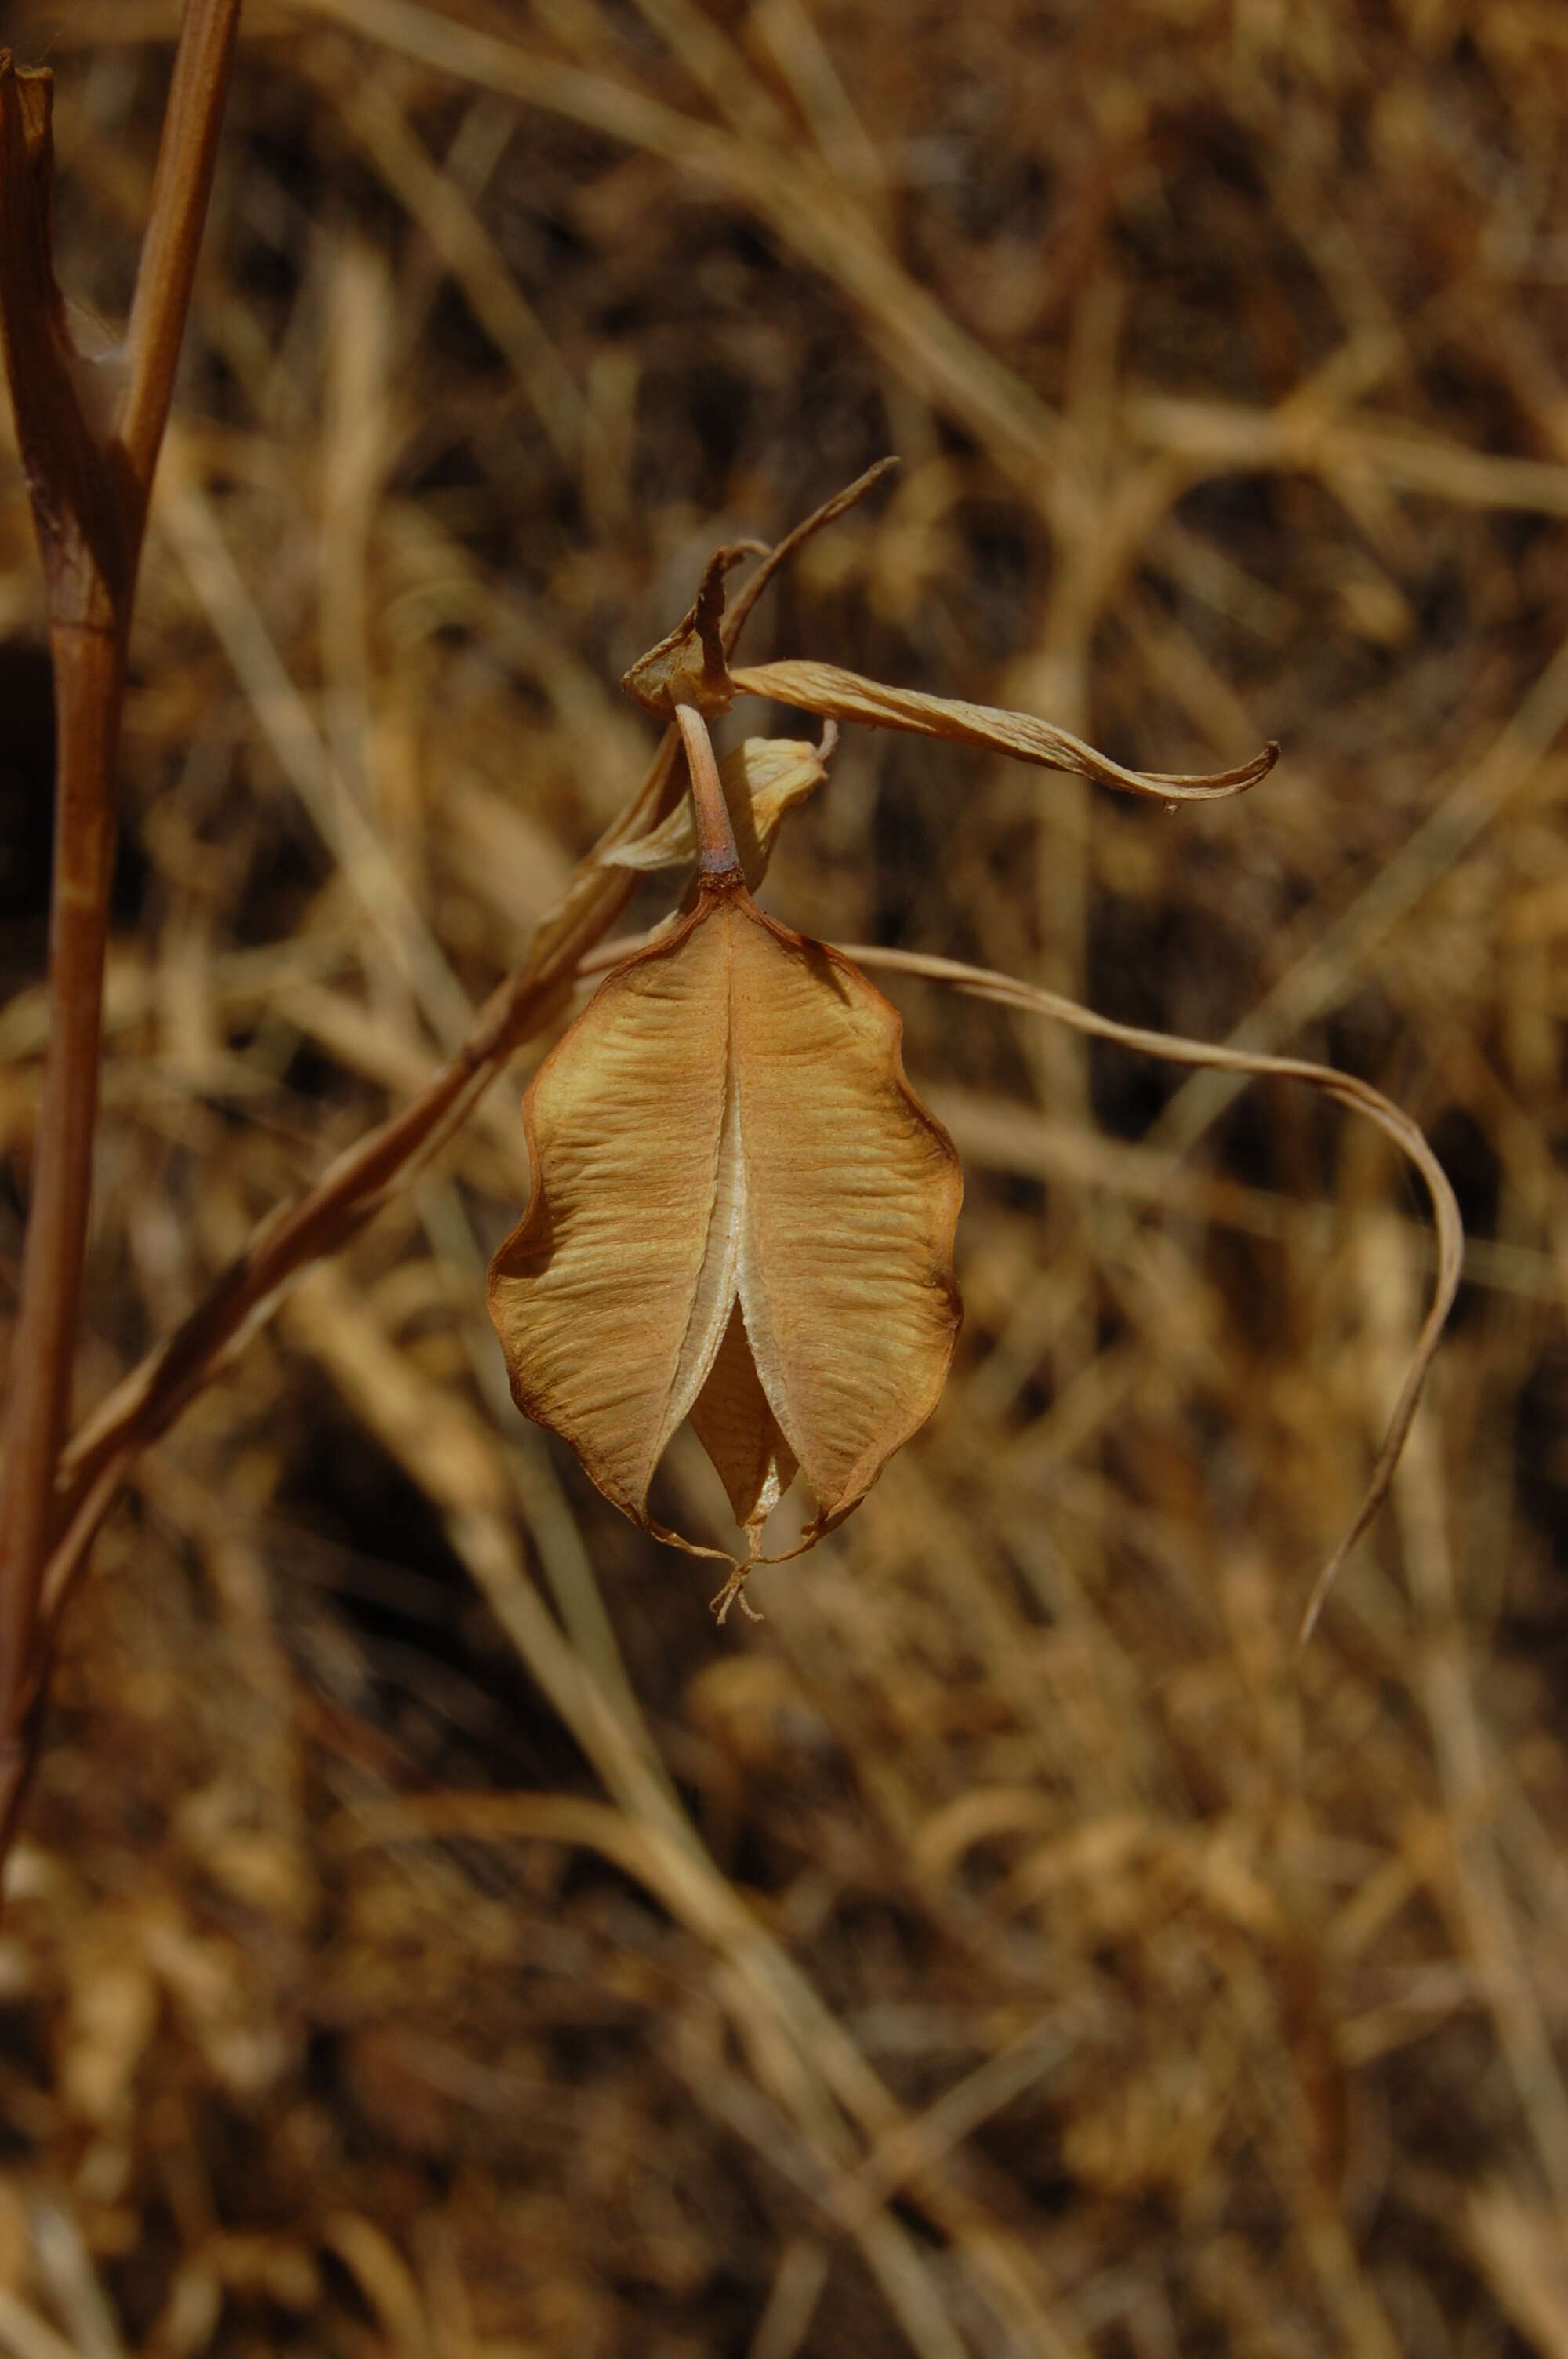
[
  {"x": 842, "y": 695},
  {"x": 690, "y": 665},
  {"x": 763, "y": 780}
]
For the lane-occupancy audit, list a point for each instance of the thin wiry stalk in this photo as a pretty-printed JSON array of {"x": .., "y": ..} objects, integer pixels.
[{"x": 1359, "y": 1095}]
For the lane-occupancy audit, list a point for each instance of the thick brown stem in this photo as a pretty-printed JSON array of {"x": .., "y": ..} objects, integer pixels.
[
  {"x": 90, "y": 494},
  {"x": 88, "y": 676}
]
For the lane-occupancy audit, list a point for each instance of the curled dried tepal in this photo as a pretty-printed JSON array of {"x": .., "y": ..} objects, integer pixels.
[
  {"x": 763, "y": 780},
  {"x": 741, "y": 1213}
]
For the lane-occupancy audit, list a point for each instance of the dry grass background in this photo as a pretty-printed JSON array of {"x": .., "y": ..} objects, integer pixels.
[{"x": 431, "y": 1936}]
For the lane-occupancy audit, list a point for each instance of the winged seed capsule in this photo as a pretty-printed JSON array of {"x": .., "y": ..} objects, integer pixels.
[{"x": 741, "y": 1213}]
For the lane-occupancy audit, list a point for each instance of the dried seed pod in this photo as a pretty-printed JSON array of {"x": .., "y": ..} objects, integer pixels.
[{"x": 741, "y": 1213}]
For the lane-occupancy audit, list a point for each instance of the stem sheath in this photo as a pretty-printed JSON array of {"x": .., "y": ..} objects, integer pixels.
[{"x": 718, "y": 862}]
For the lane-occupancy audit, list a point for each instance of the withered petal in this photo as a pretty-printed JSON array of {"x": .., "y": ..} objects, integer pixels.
[
  {"x": 846, "y": 696},
  {"x": 762, "y": 778}
]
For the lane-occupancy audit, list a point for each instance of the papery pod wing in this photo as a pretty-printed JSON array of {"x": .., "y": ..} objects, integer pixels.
[
  {"x": 740, "y": 1212},
  {"x": 597, "y": 1294},
  {"x": 845, "y": 1281},
  {"x": 762, "y": 780}
]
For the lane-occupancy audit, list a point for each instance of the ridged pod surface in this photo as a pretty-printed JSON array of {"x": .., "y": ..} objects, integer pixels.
[{"x": 741, "y": 1213}]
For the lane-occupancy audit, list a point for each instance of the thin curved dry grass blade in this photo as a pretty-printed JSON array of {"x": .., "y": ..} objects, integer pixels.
[
  {"x": 845, "y": 695},
  {"x": 1359, "y": 1095},
  {"x": 785, "y": 551}
]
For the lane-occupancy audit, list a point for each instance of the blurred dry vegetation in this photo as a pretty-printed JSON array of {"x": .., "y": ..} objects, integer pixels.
[{"x": 431, "y": 1936}]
